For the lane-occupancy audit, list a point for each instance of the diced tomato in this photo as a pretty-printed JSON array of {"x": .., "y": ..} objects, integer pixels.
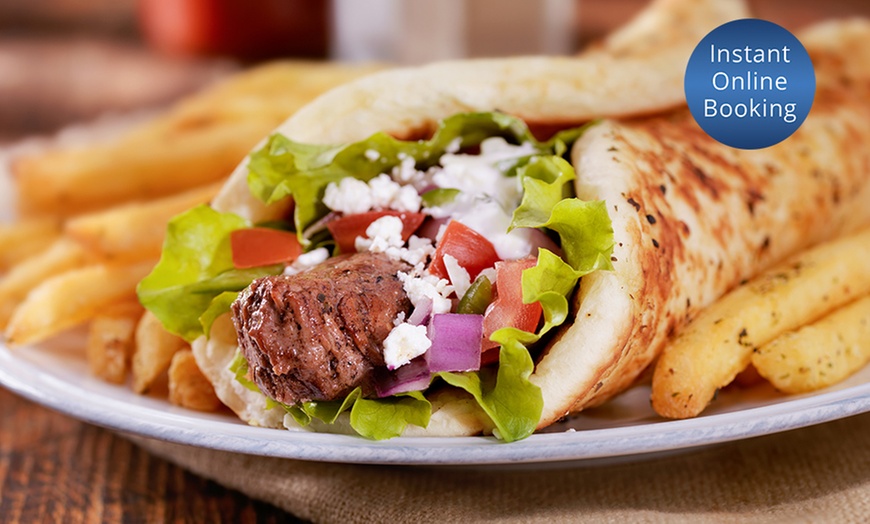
[
  {"x": 508, "y": 310},
  {"x": 263, "y": 246},
  {"x": 345, "y": 229},
  {"x": 470, "y": 249}
]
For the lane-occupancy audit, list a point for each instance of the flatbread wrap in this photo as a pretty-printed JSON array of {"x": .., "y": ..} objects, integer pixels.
[{"x": 686, "y": 219}]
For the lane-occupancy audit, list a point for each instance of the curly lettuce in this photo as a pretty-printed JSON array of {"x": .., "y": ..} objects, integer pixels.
[
  {"x": 284, "y": 168},
  {"x": 196, "y": 266},
  {"x": 508, "y": 397}
]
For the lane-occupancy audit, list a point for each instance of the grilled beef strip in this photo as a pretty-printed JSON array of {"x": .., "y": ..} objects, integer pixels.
[{"x": 319, "y": 334}]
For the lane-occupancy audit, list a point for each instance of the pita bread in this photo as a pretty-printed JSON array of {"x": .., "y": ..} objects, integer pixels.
[
  {"x": 692, "y": 217},
  {"x": 637, "y": 70}
]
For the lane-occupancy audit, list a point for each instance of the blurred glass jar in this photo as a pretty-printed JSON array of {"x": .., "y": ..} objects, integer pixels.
[
  {"x": 243, "y": 29},
  {"x": 420, "y": 31}
]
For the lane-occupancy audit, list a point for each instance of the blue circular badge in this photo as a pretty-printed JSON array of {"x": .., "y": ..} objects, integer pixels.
[{"x": 750, "y": 83}]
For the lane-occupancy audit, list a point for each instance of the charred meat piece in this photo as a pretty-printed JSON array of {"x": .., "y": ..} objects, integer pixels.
[{"x": 319, "y": 334}]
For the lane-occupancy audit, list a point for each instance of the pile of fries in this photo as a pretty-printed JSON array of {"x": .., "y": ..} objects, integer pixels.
[
  {"x": 802, "y": 325},
  {"x": 91, "y": 222}
]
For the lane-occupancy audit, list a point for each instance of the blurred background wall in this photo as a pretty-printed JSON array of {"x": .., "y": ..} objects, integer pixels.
[{"x": 63, "y": 61}]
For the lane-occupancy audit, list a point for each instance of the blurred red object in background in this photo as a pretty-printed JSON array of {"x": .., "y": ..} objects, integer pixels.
[{"x": 247, "y": 30}]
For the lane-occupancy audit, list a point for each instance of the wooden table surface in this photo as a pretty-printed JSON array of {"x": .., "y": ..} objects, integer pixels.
[{"x": 56, "y": 469}]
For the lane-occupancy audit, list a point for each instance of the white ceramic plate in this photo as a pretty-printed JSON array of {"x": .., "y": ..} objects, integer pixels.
[{"x": 55, "y": 375}]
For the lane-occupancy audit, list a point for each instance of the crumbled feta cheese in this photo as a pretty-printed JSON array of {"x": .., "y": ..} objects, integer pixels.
[
  {"x": 352, "y": 196},
  {"x": 428, "y": 286},
  {"x": 349, "y": 196},
  {"x": 405, "y": 343},
  {"x": 485, "y": 194},
  {"x": 406, "y": 199},
  {"x": 383, "y": 190},
  {"x": 306, "y": 261},
  {"x": 382, "y": 236},
  {"x": 418, "y": 250},
  {"x": 406, "y": 172},
  {"x": 387, "y": 194},
  {"x": 459, "y": 276}
]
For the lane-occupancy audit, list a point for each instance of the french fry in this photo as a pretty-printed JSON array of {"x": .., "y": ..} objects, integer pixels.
[
  {"x": 199, "y": 141},
  {"x": 188, "y": 387},
  {"x": 111, "y": 341},
  {"x": 820, "y": 354},
  {"x": 95, "y": 217},
  {"x": 718, "y": 344},
  {"x": 63, "y": 255},
  {"x": 72, "y": 298},
  {"x": 22, "y": 240},
  {"x": 277, "y": 87},
  {"x": 134, "y": 231},
  {"x": 155, "y": 348},
  {"x": 68, "y": 182}
]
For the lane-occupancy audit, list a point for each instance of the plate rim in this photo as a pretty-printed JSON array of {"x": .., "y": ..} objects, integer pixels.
[{"x": 48, "y": 389}]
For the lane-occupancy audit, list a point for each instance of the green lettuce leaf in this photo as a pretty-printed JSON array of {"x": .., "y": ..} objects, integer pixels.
[
  {"x": 218, "y": 306},
  {"x": 278, "y": 158},
  {"x": 545, "y": 183},
  {"x": 195, "y": 267},
  {"x": 586, "y": 233},
  {"x": 584, "y": 228},
  {"x": 299, "y": 415},
  {"x": 510, "y": 400},
  {"x": 377, "y": 419},
  {"x": 388, "y": 417},
  {"x": 239, "y": 369},
  {"x": 329, "y": 411},
  {"x": 550, "y": 282},
  {"x": 284, "y": 168}
]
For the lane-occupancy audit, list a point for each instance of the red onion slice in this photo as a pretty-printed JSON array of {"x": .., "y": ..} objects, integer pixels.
[
  {"x": 456, "y": 342},
  {"x": 413, "y": 376},
  {"x": 422, "y": 312}
]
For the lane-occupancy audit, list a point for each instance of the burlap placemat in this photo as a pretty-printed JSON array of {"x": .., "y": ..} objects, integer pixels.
[{"x": 816, "y": 474}]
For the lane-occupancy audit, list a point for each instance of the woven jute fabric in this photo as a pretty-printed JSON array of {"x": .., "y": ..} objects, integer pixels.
[{"x": 814, "y": 474}]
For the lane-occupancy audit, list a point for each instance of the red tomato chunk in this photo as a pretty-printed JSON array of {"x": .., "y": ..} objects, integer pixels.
[{"x": 262, "y": 246}]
